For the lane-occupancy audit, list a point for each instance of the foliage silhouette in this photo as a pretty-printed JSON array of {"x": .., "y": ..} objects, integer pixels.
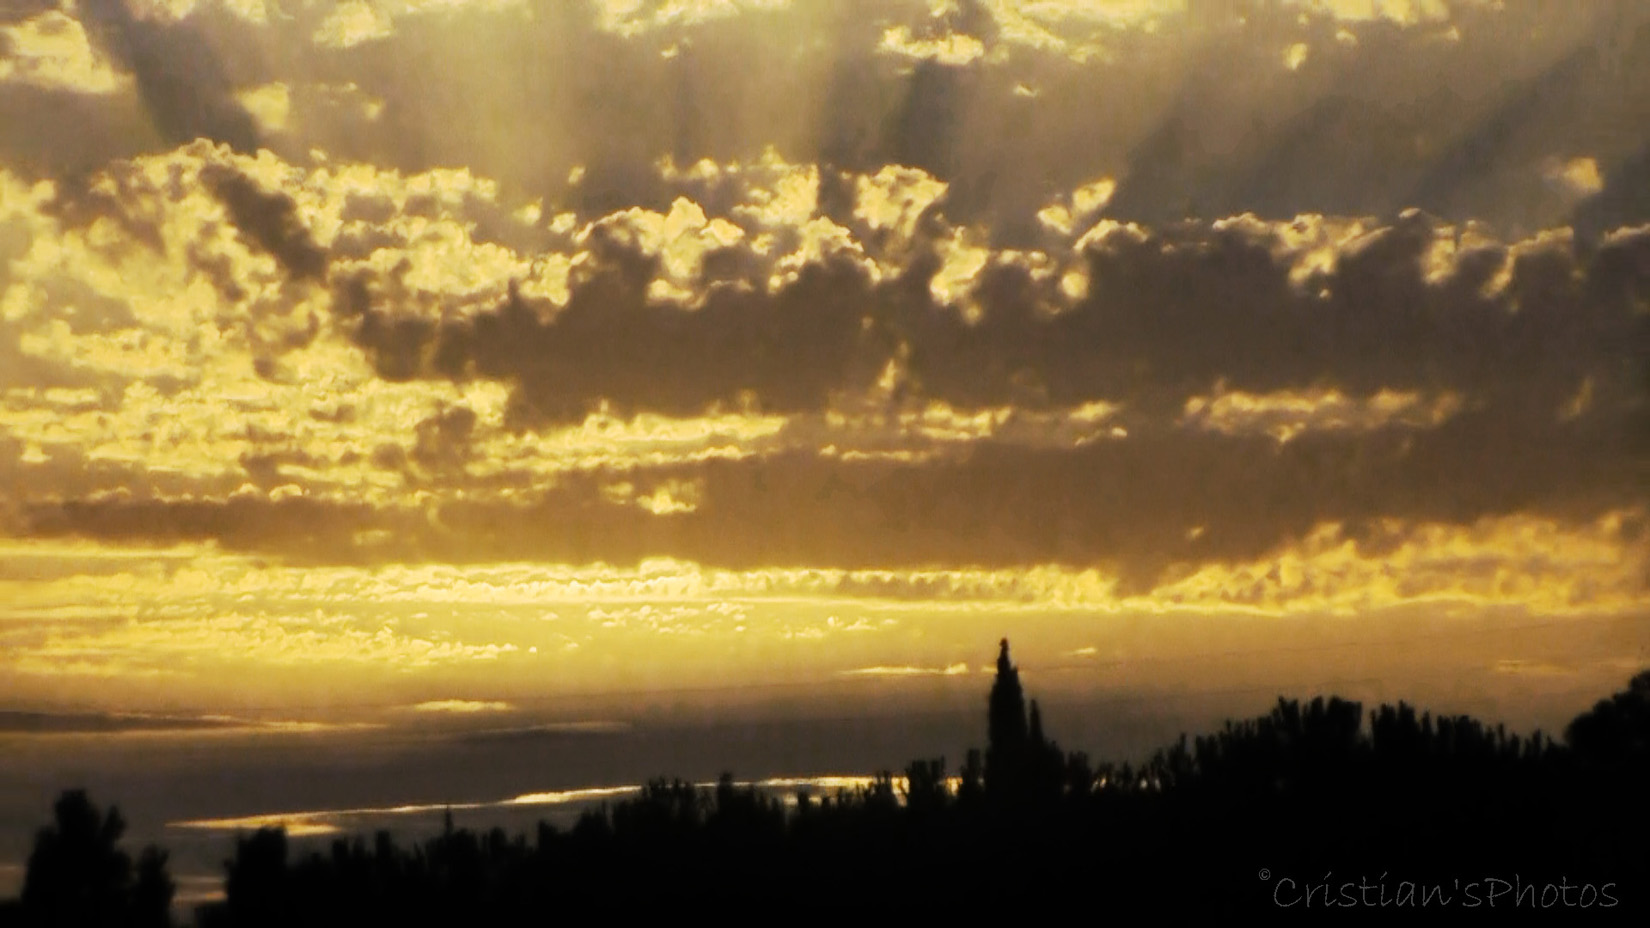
[
  {"x": 78, "y": 875},
  {"x": 1616, "y": 732},
  {"x": 1026, "y": 830}
]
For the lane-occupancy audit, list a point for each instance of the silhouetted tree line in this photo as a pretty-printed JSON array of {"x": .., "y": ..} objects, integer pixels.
[{"x": 1024, "y": 828}]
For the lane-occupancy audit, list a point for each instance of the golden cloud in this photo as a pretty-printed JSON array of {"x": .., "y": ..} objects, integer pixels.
[{"x": 51, "y": 51}]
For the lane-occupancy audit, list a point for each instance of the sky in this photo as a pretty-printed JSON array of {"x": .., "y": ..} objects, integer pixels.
[{"x": 481, "y": 366}]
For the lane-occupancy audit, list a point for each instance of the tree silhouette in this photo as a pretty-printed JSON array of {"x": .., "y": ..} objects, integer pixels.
[
  {"x": 1021, "y": 763},
  {"x": 926, "y": 791},
  {"x": 1306, "y": 785},
  {"x": 1617, "y": 730},
  {"x": 78, "y": 875},
  {"x": 151, "y": 899},
  {"x": 256, "y": 881},
  {"x": 1007, "y": 731}
]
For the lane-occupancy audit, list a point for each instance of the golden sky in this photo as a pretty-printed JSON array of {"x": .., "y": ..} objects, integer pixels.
[{"x": 479, "y": 354}]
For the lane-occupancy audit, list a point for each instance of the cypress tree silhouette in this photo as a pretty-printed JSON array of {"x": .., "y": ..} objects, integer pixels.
[
  {"x": 1008, "y": 733},
  {"x": 1045, "y": 764}
]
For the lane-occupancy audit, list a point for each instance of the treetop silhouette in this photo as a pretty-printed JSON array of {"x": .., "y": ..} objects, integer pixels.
[
  {"x": 78, "y": 875},
  {"x": 1616, "y": 731},
  {"x": 1021, "y": 764}
]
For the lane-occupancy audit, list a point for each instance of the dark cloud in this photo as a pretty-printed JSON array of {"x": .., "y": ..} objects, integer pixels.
[
  {"x": 443, "y": 440},
  {"x": 1198, "y": 116},
  {"x": 1170, "y": 315},
  {"x": 269, "y": 219},
  {"x": 183, "y": 84},
  {"x": 1539, "y": 343},
  {"x": 1460, "y": 118},
  {"x": 550, "y": 732},
  {"x": 612, "y": 344},
  {"x": 70, "y": 134},
  {"x": 21, "y": 10},
  {"x": 14, "y": 722},
  {"x": 295, "y": 526},
  {"x": 1137, "y": 505}
]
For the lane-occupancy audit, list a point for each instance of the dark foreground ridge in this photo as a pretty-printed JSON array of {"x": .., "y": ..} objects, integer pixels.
[{"x": 1312, "y": 811}]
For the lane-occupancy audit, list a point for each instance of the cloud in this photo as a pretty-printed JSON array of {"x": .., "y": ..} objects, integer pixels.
[
  {"x": 51, "y": 51},
  {"x": 873, "y": 548},
  {"x": 1359, "y": 306},
  {"x": 462, "y": 706},
  {"x": 1285, "y": 414},
  {"x": 950, "y": 670},
  {"x": 270, "y": 219},
  {"x": 529, "y": 347},
  {"x": 296, "y": 825},
  {"x": 952, "y": 49},
  {"x": 630, "y": 17},
  {"x": 269, "y": 104},
  {"x": 1533, "y": 668},
  {"x": 35, "y": 723},
  {"x": 183, "y": 646},
  {"x": 982, "y": 497},
  {"x": 549, "y": 731},
  {"x": 897, "y": 306},
  {"x": 351, "y": 23},
  {"x": 210, "y": 624},
  {"x": 1455, "y": 109},
  {"x": 183, "y": 84},
  {"x": 14, "y": 722},
  {"x": 339, "y": 363}
]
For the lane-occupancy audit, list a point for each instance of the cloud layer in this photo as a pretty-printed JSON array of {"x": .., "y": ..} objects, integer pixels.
[
  {"x": 1141, "y": 306},
  {"x": 330, "y": 365}
]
